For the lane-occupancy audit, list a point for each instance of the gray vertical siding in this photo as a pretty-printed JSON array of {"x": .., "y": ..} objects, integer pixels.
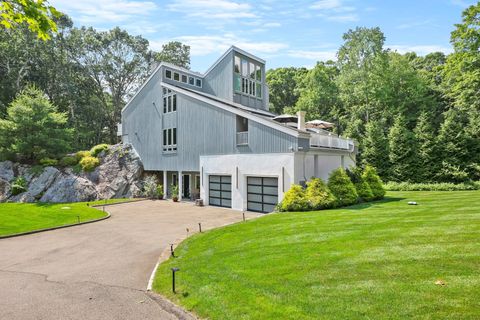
[
  {"x": 201, "y": 130},
  {"x": 219, "y": 81}
]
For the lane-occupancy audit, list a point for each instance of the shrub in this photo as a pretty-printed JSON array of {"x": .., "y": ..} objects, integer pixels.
[
  {"x": 95, "y": 151},
  {"x": 150, "y": 186},
  {"x": 19, "y": 185},
  {"x": 363, "y": 188},
  {"x": 405, "y": 186},
  {"x": 82, "y": 154},
  {"x": 342, "y": 187},
  {"x": 89, "y": 163},
  {"x": 175, "y": 190},
  {"x": 294, "y": 199},
  {"x": 371, "y": 177},
  {"x": 68, "y": 161},
  {"x": 46, "y": 162},
  {"x": 160, "y": 191},
  {"x": 318, "y": 194}
]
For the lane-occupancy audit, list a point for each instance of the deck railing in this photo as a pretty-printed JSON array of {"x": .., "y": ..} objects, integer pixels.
[
  {"x": 330, "y": 141},
  {"x": 242, "y": 138}
]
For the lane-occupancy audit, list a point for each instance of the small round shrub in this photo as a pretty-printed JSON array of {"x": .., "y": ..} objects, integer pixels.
[
  {"x": 19, "y": 185},
  {"x": 47, "y": 162},
  {"x": 319, "y": 196},
  {"x": 294, "y": 199},
  {"x": 68, "y": 161},
  {"x": 89, "y": 163},
  {"x": 342, "y": 188},
  {"x": 82, "y": 154},
  {"x": 363, "y": 188},
  {"x": 371, "y": 177},
  {"x": 95, "y": 151},
  {"x": 160, "y": 191}
]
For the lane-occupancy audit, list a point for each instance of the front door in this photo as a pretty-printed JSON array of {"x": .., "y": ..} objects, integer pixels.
[{"x": 186, "y": 186}]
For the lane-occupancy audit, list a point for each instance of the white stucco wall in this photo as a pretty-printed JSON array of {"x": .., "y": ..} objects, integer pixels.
[
  {"x": 319, "y": 164},
  {"x": 279, "y": 165}
]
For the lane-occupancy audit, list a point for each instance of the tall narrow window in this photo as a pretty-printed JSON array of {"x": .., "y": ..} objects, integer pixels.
[
  {"x": 169, "y": 108},
  {"x": 169, "y": 101},
  {"x": 174, "y": 138},
  {"x": 258, "y": 72},
  {"x": 259, "y": 90},
  {"x": 169, "y": 140},
  {"x": 236, "y": 68},
  {"x": 252, "y": 70},
  {"x": 244, "y": 68},
  {"x": 164, "y": 104},
  {"x": 174, "y": 102}
]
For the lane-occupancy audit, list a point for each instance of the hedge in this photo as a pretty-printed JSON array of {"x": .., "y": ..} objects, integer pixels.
[{"x": 406, "y": 186}]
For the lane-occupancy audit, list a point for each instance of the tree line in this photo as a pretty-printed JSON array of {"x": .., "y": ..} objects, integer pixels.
[
  {"x": 416, "y": 118},
  {"x": 86, "y": 74}
]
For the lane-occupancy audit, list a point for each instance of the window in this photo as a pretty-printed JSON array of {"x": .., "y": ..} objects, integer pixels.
[
  {"x": 168, "y": 74},
  {"x": 184, "y": 78},
  {"x": 259, "y": 90},
  {"x": 170, "y": 140},
  {"x": 237, "y": 85},
  {"x": 198, "y": 83},
  {"x": 244, "y": 67},
  {"x": 197, "y": 182},
  {"x": 176, "y": 76},
  {"x": 236, "y": 68},
  {"x": 169, "y": 101},
  {"x": 191, "y": 81},
  {"x": 258, "y": 72},
  {"x": 174, "y": 179},
  {"x": 252, "y": 70}
]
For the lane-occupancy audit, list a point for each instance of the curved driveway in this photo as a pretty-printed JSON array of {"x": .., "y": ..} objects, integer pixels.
[{"x": 98, "y": 270}]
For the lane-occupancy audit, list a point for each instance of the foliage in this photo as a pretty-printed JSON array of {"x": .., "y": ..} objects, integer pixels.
[
  {"x": 68, "y": 161},
  {"x": 174, "y": 190},
  {"x": 370, "y": 176},
  {"x": 402, "y": 152},
  {"x": 33, "y": 128},
  {"x": 38, "y": 15},
  {"x": 294, "y": 199},
  {"x": 283, "y": 87},
  {"x": 318, "y": 195},
  {"x": 150, "y": 187},
  {"x": 46, "y": 162},
  {"x": 95, "y": 151},
  {"x": 89, "y": 163},
  {"x": 444, "y": 186},
  {"x": 363, "y": 188},
  {"x": 19, "y": 185},
  {"x": 342, "y": 188},
  {"x": 375, "y": 147},
  {"x": 426, "y": 153},
  {"x": 176, "y": 53},
  {"x": 160, "y": 191},
  {"x": 82, "y": 154}
]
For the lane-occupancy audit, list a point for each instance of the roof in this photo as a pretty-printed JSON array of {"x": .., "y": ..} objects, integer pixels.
[
  {"x": 260, "y": 116},
  {"x": 233, "y": 48}
]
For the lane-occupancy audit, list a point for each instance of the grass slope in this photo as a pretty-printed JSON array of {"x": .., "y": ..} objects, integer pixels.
[
  {"x": 369, "y": 261},
  {"x": 23, "y": 217}
]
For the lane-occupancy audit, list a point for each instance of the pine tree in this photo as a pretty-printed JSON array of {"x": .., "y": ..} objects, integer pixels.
[
  {"x": 425, "y": 136},
  {"x": 375, "y": 148},
  {"x": 402, "y": 152}
]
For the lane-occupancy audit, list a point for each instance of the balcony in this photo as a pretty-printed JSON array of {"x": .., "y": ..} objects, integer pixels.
[
  {"x": 319, "y": 140},
  {"x": 242, "y": 138}
]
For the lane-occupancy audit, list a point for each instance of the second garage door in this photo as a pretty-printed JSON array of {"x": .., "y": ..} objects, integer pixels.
[
  {"x": 262, "y": 194},
  {"x": 220, "y": 191}
]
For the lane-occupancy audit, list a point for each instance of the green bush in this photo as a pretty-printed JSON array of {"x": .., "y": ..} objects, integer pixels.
[
  {"x": 294, "y": 200},
  {"x": 82, "y": 154},
  {"x": 19, "y": 185},
  {"x": 95, "y": 151},
  {"x": 150, "y": 186},
  {"x": 160, "y": 191},
  {"x": 342, "y": 188},
  {"x": 318, "y": 194},
  {"x": 363, "y": 188},
  {"x": 68, "y": 161},
  {"x": 371, "y": 177},
  {"x": 89, "y": 163},
  {"x": 47, "y": 162},
  {"x": 405, "y": 186}
]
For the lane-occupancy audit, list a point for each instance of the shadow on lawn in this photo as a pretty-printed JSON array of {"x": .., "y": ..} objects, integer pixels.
[{"x": 365, "y": 205}]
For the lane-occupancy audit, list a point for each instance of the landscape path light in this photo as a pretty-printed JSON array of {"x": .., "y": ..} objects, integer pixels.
[
  {"x": 172, "y": 253},
  {"x": 173, "y": 278}
]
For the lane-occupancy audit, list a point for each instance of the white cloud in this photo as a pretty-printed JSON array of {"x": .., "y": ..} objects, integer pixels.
[
  {"x": 272, "y": 25},
  {"x": 101, "y": 11},
  {"x": 419, "y": 49},
  {"x": 211, "y": 10},
  {"x": 313, "y": 55},
  {"x": 343, "y": 18},
  {"x": 326, "y": 4},
  {"x": 335, "y": 10}
]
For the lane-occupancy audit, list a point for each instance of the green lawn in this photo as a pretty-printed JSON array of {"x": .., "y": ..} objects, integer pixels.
[
  {"x": 373, "y": 261},
  {"x": 23, "y": 217}
]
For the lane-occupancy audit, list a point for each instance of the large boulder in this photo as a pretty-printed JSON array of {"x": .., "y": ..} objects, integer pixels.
[
  {"x": 6, "y": 170},
  {"x": 41, "y": 183},
  {"x": 5, "y": 190},
  {"x": 70, "y": 188},
  {"x": 23, "y": 197},
  {"x": 25, "y": 171}
]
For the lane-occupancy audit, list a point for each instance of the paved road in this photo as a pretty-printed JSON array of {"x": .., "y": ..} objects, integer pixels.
[{"x": 98, "y": 270}]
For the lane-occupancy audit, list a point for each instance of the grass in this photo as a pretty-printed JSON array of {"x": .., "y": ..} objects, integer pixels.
[
  {"x": 23, "y": 217},
  {"x": 371, "y": 261}
]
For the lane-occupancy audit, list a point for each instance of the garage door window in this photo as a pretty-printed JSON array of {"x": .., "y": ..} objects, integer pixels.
[
  {"x": 262, "y": 194},
  {"x": 220, "y": 191}
]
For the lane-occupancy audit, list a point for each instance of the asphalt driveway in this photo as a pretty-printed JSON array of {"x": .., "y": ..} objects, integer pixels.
[{"x": 98, "y": 270}]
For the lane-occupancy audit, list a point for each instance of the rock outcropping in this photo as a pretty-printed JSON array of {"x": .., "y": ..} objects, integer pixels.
[{"x": 119, "y": 175}]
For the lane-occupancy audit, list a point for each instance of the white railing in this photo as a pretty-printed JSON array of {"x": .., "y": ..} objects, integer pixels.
[
  {"x": 119, "y": 129},
  {"x": 242, "y": 138},
  {"x": 330, "y": 141}
]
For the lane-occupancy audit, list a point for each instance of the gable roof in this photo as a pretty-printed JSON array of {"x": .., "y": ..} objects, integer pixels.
[
  {"x": 260, "y": 116},
  {"x": 233, "y": 48}
]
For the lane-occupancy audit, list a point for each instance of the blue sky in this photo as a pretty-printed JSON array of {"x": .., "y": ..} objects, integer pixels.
[{"x": 285, "y": 33}]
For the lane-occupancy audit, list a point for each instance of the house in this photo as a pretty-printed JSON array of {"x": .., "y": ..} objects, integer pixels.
[{"x": 213, "y": 135}]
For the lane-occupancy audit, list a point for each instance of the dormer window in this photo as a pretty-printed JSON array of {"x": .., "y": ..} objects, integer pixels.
[
  {"x": 191, "y": 81},
  {"x": 176, "y": 76},
  {"x": 184, "y": 78},
  {"x": 168, "y": 74},
  {"x": 247, "y": 77}
]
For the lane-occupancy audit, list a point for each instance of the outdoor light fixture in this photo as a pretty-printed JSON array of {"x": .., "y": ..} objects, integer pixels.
[
  {"x": 173, "y": 278},
  {"x": 243, "y": 213},
  {"x": 200, "y": 227},
  {"x": 172, "y": 253}
]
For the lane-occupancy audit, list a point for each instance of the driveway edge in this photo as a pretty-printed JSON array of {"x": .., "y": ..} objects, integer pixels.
[{"x": 55, "y": 228}]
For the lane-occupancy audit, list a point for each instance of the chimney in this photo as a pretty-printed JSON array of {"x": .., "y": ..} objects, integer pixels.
[{"x": 301, "y": 120}]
